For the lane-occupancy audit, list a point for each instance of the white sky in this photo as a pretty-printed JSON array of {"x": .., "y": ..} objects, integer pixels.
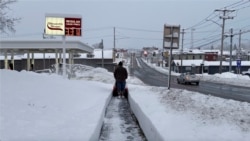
[
  {"x": 42, "y": 107},
  {"x": 138, "y": 23}
]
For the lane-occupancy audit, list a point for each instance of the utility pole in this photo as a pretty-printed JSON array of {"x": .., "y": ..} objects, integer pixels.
[
  {"x": 224, "y": 17},
  {"x": 114, "y": 37},
  {"x": 182, "y": 41},
  {"x": 114, "y": 47},
  {"x": 239, "y": 50},
  {"x": 231, "y": 46},
  {"x": 101, "y": 46},
  {"x": 192, "y": 38}
]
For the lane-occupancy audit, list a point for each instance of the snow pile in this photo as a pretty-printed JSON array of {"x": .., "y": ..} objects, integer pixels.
[
  {"x": 96, "y": 74},
  {"x": 205, "y": 107},
  {"x": 183, "y": 115},
  {"x": 43, "y": 107},
  {"x": 228, "y": 78}
]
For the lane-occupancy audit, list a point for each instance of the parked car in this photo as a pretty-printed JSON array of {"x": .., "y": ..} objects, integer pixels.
[
  {"x": 188, "y": 78},
  {"x": 246, "y": 72}
]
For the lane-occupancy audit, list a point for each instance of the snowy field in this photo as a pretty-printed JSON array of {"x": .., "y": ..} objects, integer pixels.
[{"x": 41, "y": 107}]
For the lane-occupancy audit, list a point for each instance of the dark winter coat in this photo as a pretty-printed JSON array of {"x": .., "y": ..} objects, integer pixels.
[{"x": 120, "y": 74}]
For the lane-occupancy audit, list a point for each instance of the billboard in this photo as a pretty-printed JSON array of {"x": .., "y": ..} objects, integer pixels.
[
  {"x": 63, "y": 25},
  {"x": 73, "y": 26},
  {"x": 55, "y": 26},
  {"x": 171, "y": 35}
]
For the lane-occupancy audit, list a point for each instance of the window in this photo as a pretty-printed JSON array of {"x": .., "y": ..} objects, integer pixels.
[
  {"x": 205, "y": 69},
  {"x": 188, "y": 68}
]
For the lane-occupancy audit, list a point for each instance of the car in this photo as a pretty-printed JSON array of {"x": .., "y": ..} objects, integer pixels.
[
  {"x": 246, "y": 72},
  {"x": 188, "y": 78}
]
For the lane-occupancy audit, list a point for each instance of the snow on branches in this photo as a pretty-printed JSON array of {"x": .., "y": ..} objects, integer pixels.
[{"x": 7, "y": 23}]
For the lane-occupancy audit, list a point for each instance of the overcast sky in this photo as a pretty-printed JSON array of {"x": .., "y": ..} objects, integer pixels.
[{"x": 138, "y": 23}]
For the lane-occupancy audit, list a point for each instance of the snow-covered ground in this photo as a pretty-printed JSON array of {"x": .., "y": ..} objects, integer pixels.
[{"x": 42, "y": 107}]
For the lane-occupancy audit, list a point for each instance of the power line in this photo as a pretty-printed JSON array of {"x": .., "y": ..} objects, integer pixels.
[
  {"x": 243, "y": 7},
  {"x": 136, "y": 29},
  {"x": 205, "y": 31},
  {"x": 207, "y": 24},
  {"x": 233, "y": 4},
  {"x": 242, "y": 20},
  {"x": 203, "y": 21},
  {"x": 242, "y": 32},
  {"x": 233, "y": 7},
  {"x": 214, "y": 41},
  {"x": 95, "y": 37},
  {"x": 243, "y": 28},
  {"x": 98, "y": 29},
  {"x": 205, "y": 41},
  {"x": 208, "y": 38}
]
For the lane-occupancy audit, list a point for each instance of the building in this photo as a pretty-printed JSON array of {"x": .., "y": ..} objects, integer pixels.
[{"x": 210, "y": 67}]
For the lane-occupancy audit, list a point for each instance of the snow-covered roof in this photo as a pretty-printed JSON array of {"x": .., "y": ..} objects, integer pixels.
[
  {"x": 234, "y": 52},
  {"x": 39, "y": 46},
  {"x": 189, "y": 62},
  {"x": 197, "y": 51},
  {"x": 209, "y": 63},
  {"x": 226, "y": 63},
  {"x": 107, "y": 54},
  {"x": 9, "y": 57}
]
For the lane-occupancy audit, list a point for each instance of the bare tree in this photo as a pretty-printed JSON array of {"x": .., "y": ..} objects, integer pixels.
[
  {"x": 7, "y": 23},
  {"x": 96, "y": 45}
]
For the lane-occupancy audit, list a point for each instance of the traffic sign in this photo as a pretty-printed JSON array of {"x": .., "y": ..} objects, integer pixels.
[
  {"x": 171, "y": 35},
  {"x": 238, "y": 63}
]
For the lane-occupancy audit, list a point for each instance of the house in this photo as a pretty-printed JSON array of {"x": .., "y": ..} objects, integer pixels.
[{"x": 210, "y": 67}]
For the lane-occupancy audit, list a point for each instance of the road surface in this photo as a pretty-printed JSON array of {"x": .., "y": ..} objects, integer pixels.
[{"x": 154, "y": 78}]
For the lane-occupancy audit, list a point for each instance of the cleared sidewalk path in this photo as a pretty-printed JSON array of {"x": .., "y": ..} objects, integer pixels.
[{"x": 119, "y": 123}]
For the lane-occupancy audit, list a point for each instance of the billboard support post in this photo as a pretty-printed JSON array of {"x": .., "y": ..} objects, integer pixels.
[
  {"x": 63, "y": 25},
  {"x": 64, "y": 56},
  {"x": 169, "y": 68}
]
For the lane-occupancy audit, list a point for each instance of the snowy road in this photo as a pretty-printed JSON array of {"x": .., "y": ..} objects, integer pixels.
[
  {"x": 119, "y": 123},
  {"x": 156, "y": 78}
]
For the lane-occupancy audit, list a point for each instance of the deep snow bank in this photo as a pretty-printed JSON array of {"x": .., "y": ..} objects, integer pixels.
[{"x": 183, "y": 115}]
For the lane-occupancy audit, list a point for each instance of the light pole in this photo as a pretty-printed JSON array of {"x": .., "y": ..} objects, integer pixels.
[
  {"x": 231, "y": 46},
  {"x": 101, "y": 46},
  {"x": 182, "y": 41}
]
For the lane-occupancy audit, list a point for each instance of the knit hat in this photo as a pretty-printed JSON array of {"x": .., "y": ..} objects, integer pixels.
[{"x": 120, "y": 63}]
